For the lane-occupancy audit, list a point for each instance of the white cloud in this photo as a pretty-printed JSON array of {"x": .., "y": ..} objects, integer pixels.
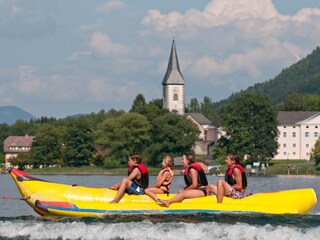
[
  {"x": 216, "y": 13},
  {"x": 240, "y": 39},
  {"x": 16, "y": 10},
  {"x": 105, "y": 90},
  {"x": 111, "y": 5},
  {"x": 231, "y": 10},
  {"x": 28, "y": 83},
  {"x": 79, "y": 55},
  {"x": 102, "y": 44}
]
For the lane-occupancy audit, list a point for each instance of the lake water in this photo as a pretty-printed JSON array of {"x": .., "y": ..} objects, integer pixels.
[{"x": 19, "y": 221}]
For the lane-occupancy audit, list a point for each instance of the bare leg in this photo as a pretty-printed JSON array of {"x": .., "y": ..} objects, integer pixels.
[
  {"x": 151, "y": 192},
  {"x": 193, "y": 193},
  {"x": 211, "y": 188},
  {"x": 222, "y": 189},
  {"x": 125, "y": 183}
]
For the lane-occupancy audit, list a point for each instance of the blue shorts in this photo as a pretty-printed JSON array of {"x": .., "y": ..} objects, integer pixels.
[{"x": 135, "y": 189}]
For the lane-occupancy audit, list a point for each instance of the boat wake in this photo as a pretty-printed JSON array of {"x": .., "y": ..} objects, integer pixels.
[{"x": 163, "y": 226}]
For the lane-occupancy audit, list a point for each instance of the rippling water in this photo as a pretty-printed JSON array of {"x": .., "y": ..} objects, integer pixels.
[{"x": 18, "y": 221}]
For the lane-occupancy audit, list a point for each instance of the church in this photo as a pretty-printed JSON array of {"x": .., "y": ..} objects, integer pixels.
[{"x": 174, "y": 100}]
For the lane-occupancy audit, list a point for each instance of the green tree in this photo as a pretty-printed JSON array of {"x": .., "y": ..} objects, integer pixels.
[
  {"x": 194, "y": 106},
  {"x": 47, "y": 146},
  {"x": 78, "y": 143},
  {"x": 171, "y": 134},
  {"x": 251, "y": 127},
  {"x": 152, "y": 110},
  {"x": 4, "y": 133},
  {"x": 294, "y": 102},
  {"x": 21, "y": 160},
  {"x": 122, "y": 135},
  {"x": 315, "y": 154},
  {"x": 22, "y": 128},
  {"x": 207, "y": 108},
  {"x": 312, "y": 102},
  {"x": 138, "y": 103}
]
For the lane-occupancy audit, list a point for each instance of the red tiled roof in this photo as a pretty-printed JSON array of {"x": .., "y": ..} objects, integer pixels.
[{"x": 17, "y": 141}]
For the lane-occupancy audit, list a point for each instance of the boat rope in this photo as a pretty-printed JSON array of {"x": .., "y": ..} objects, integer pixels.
[{"x": 5, "y": 198}]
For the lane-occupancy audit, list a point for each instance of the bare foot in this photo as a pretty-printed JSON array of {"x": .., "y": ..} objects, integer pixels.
[
  {"x": 163, "y": 202},
  {"x": 113, "y": 201}
]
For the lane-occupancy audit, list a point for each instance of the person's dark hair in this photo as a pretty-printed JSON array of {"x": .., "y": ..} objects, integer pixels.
[
  {"x": 191, "y": 158},
  {"x": 135, "y": 156},
  {"x": 235, "y": 157}
]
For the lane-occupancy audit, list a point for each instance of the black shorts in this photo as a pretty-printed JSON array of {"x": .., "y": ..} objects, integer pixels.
[{"x": 204, "y": 190}]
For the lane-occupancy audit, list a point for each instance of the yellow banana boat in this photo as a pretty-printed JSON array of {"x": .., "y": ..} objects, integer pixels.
[{"x": 55, "y": 199}]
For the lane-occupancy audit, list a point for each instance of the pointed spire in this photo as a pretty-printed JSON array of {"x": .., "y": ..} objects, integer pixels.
[{"x": 173, "y": 74}]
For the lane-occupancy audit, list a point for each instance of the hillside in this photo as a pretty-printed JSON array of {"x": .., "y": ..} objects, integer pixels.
[
  {"x": 9, "y": 115},
  {"x": 302, "y": 77}
]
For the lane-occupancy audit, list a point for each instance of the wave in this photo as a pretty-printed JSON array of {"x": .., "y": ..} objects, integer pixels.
[{"x": 163, "y": 226}]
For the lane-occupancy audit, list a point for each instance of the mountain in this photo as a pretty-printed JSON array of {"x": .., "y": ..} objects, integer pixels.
[
  {"x": 302, "y": 77},
  {"x": 9, "y": 115}
]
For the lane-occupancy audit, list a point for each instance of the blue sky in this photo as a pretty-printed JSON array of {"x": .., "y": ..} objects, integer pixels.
[{"x": 65, "y": 57}]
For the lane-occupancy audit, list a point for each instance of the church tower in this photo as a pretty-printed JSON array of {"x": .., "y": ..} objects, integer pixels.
[{"x": 173, "y": 84}]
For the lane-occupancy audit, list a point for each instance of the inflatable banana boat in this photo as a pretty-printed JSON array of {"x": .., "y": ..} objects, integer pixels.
[{"x": 55, "y": 199}]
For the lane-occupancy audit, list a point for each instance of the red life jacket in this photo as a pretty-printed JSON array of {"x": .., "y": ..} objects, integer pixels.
[
  {"x": 229, "y": 179},
  {"x": 202, "y": 178},
  {"x": 143, "y": 182}
]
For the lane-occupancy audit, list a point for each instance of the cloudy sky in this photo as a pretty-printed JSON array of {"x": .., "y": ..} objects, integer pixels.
[{"x": 65, "y": 57}]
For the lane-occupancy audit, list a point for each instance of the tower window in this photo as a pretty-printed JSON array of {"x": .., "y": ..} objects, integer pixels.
[{"x": 175, "y": 97}]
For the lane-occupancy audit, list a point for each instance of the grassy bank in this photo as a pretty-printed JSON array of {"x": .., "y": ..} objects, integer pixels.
[{"x": 292, "y": 167}]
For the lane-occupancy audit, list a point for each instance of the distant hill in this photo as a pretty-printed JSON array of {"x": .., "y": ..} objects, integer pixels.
[
  {"x": 9, "y": 115},
  {"x": 302, "y": 77}
]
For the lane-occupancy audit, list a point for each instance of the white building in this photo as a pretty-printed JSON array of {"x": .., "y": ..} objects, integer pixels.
[
  {"x": 298, "y": 132},
  {"x": 207, "y": 135}
]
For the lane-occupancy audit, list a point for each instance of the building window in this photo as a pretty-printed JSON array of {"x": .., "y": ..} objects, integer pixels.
[
  {"x": 315, "y": 134},
  {"x": 294, "y": 134},
  {"x": 307, "y": 126},
  {"x": 307, "y": 145},
  {"x": 306, "y": 134},
  {"x": 284, "y": 134},
  {"x": 316, "y": 126},
  {"x": 294, "y": 153},
  {"x": 284, "y": 145},
  {"x": 175, "y": 97},
  {"x": 294, "y": 145}
]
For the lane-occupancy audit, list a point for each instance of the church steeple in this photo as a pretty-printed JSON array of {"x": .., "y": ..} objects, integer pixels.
[
  {"x": 173, "y": 74},
  {"x": 173, "y": 84}
]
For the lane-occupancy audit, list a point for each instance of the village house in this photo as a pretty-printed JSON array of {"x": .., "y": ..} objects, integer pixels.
[
  {"x": 208, "y": 133},
  {"x": 15, "y": 145}
]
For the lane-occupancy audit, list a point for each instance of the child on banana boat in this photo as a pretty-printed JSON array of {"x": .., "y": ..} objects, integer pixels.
[
  {"x": 164, "y": 179},
  {"x": 137, "y": 180},
  {"x": 235, "y": 182},
  {"x": 195, "y": 179}
]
